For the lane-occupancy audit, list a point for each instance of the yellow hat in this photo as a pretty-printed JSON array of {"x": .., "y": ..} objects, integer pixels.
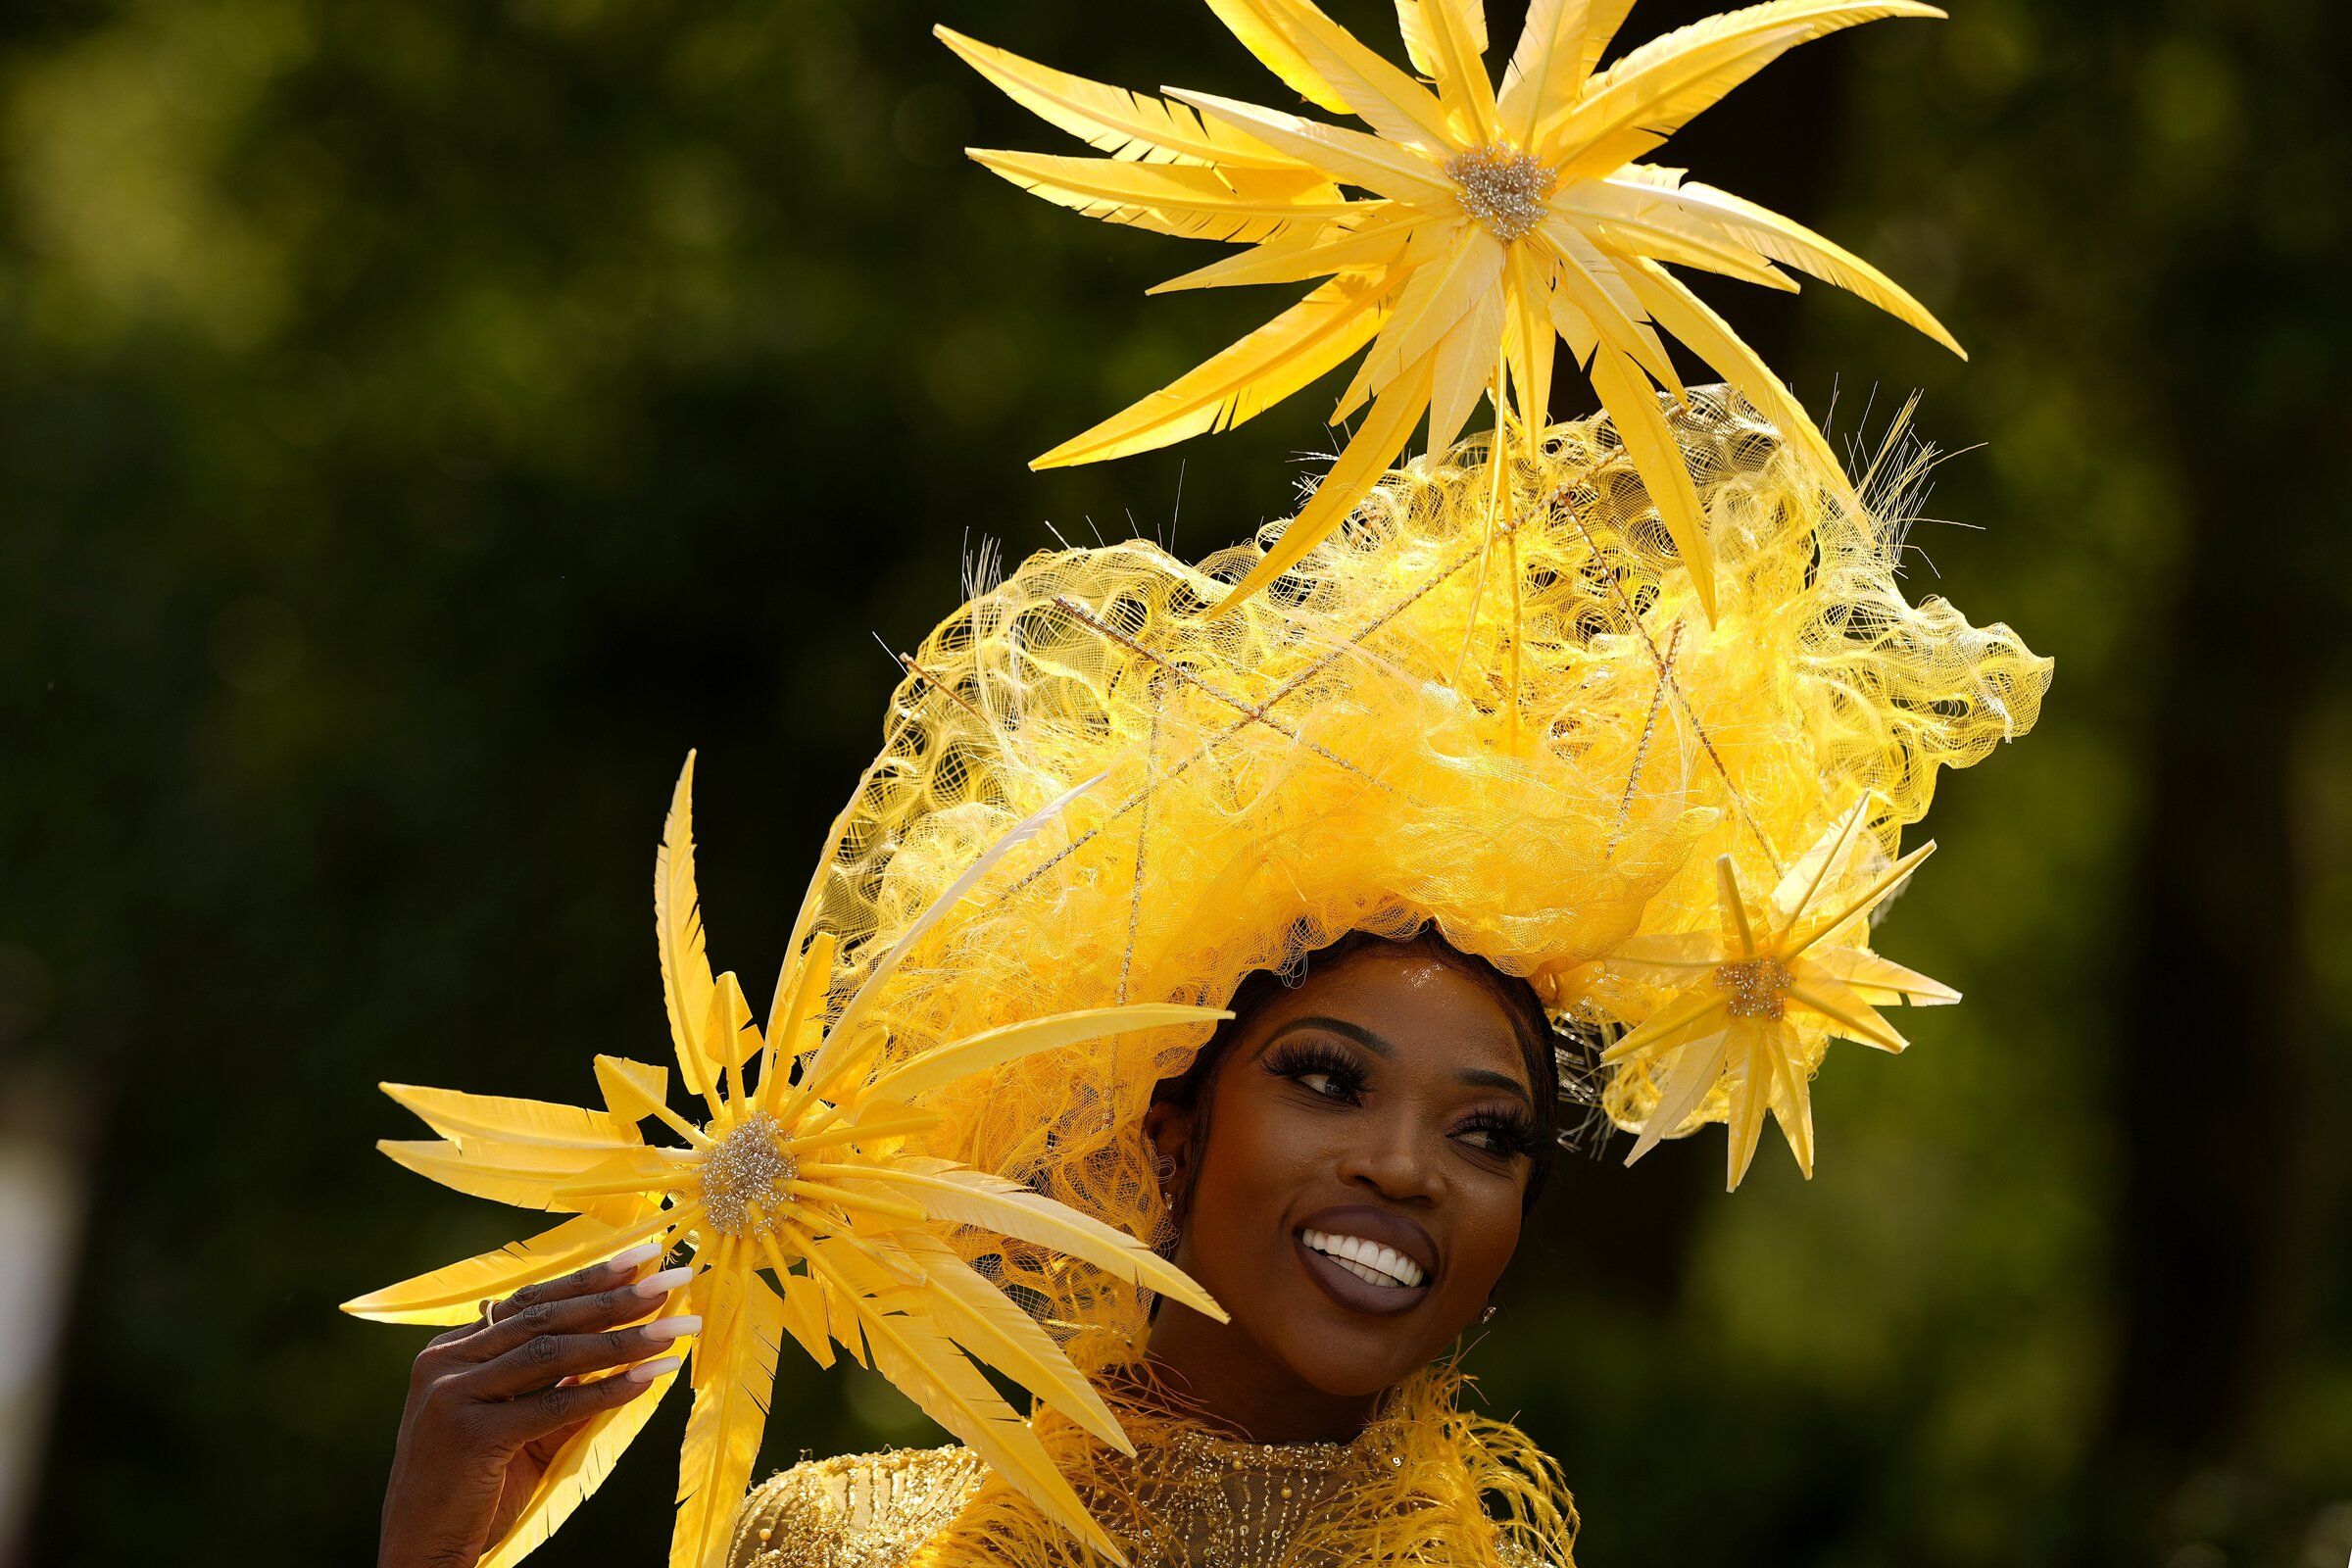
[{"x": 1390, "y": 736}]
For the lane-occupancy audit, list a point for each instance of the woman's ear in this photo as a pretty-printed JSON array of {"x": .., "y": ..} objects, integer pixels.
[{"x": 1169, "y": 1135}]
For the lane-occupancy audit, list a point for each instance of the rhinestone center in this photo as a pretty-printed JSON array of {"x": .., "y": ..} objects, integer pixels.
[
  {"x": 1502, "y": 188},
  {"x": 1759, "y": 987},
  {"x": 747, "y": 1170}
]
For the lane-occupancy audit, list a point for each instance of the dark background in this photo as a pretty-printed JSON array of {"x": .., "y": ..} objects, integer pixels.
[{"x": 421, "y": 421}]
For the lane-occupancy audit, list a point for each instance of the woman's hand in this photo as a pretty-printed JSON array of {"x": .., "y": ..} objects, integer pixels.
[{"x": 490, "y": 1403}]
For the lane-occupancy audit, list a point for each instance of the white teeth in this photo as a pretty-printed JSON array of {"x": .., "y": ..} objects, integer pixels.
[{"x": 1366, "y": 1259}]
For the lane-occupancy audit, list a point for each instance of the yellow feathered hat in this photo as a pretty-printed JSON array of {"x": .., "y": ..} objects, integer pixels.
[{"x": 1675, "y": 825}]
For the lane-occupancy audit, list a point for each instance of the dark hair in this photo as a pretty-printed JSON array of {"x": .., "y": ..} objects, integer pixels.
[{"x": 1189, "y": 1090}]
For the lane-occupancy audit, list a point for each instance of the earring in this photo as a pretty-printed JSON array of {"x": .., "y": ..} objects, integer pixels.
[{"x": 1488, "y": 1313}]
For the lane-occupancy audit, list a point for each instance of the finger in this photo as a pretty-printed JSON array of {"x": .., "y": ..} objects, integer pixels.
[
  {"x": 578, "y": 1314},
  {"x": 543, "y": 1448},
  {"x": 481, "y": 1320},
  {"x": 581, "y": 1281},
  {"x": 545, "y": 1359},
  {"x": 570, "y": 1403}
]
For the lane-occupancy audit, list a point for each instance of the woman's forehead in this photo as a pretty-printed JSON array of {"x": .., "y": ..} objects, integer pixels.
[{"x": 1418, "y": 1002}]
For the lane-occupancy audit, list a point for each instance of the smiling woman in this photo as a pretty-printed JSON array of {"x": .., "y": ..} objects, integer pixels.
[
  {"x": 1382, "y": 1121},
  {"x": 1651, "y": 786},
  {"x": 1381, "y": 1126}
]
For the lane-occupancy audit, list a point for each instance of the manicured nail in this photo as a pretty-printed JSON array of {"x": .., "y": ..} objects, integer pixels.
[
  {"x": 634, "y": 1259},
  {"x": 647, "y": 1371},
  {"x": 673, "y": 1328},
  {"x": 661, "y": 1284}
]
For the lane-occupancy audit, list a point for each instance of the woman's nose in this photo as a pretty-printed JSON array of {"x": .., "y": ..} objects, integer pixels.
[{"x": 1390, "y": 1159}]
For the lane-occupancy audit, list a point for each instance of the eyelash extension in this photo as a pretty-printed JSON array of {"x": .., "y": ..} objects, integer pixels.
[
  {"x": 1516, "y": 1130},
  {"x": 1298, "y": 1057}
]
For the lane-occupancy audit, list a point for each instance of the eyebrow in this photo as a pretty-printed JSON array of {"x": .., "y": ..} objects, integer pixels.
[{"x": 1482, "y": 1077}]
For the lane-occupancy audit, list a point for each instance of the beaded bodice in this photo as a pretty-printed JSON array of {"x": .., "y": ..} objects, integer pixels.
[{"x": 1194, "y": 1501}]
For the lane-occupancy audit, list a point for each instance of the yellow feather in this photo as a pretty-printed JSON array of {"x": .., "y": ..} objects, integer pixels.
[
  {"x": 523, "y": 1174},
  {"x": 1649, "y": 441},
  {"x": 1629, "y": 217},
  {"x": 1375, "y": 91},
  {"x": 1421, "y": 48},
  {"x": 578, "y": 1468},
  {"x": 1750, "y": 1098},
  {"x": 1881, "y": 983},
  {"x": 1827, "y": 862},
  {"x": 1855, "y": 1019},
  {"x": 797, "y": 1008},
  {"x": 1113, "y": 120},
  {"x": 735, "y": 1372},
  {"x": 461, "y": 1116},
  {"x": 1464, "y": 368},
  {"x": 804, "y": 1314},
  {"x": 928, "y": 1369},
  {"x": 1302, "y": 253},
  {"x": 1254, "y": 24},
  {"x": 1589, "y": 281},
  {"x": 1689, "y": 319},
  {"x": 1861, "y": 904},
  {"x": 978, "y": 1198},
  {"x": 1531, "y": 337},
  {"x": 1452, "y": 37},
  {"x": 1347, "y": 157},
  {"x": 995, "y": 1046},
  {"x": 645, "y": 1080},
  {"x": 729, "y": 1037},
  {"x": 1180, "y": 199},
  {"x": 1793, "y": 1108},
  {"x": 1790, "y": 243},
  {"x": 686, "y": 982},
  {"x": 1558, "y": 49},
  {"x": 451, "y": 1295},
  {"x": 1695, "y": 1068},
  {"x": 1662, "y": 1028},
  {"x": 1240, "y": 381},
  {"x": 845, "y": 1028},
  {"x": 1358, "y": 468},
  {"x": 1438, "y": 293},
  {"x": 987, "y": 1324},
  {"x": 1661, "y": 87}
]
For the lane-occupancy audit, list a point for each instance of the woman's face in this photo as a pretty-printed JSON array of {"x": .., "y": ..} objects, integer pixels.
[{"x": 1359, "y": 1192}]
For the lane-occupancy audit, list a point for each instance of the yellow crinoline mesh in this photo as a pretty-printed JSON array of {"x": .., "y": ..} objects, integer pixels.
[{"x": 1341, "y": 751}]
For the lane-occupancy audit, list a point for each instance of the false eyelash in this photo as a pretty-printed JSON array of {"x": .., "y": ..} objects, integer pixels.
[
  {"x": 1297, "y": 1059},
  {"x": 1517, "y": 1130}
]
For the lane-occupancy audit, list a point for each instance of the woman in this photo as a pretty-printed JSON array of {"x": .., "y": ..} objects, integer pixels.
[
  {"x": 1348, "y": 1160},
  {"x": 1585, "y": 798}
]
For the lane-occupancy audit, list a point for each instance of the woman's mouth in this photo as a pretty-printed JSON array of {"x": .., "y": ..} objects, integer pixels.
[
  {"x": 1354, "y": 1257},
  {"x": 1366, "y": 1259}
]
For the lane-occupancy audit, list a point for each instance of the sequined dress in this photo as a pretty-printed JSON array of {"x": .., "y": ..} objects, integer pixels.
[{"x": 1194, "y": 1501}]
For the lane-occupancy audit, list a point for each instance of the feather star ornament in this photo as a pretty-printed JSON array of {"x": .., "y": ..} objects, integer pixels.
[
  {"x": 804, "y": 1174},
  {"x": 1496, "y": 223},
  {"x": 1743, "y": 1002}
]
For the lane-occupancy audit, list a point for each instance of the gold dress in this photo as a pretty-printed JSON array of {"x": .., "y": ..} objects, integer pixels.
[{"x": 1412, "y": 1488}]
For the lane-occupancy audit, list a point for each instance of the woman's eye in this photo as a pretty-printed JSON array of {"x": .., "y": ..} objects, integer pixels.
[
  {"x": 1321, "y": 1083},
  {"x": 1491, "y": 1139}
]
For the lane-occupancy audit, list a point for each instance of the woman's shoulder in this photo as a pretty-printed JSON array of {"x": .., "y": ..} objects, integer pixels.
[{"x": 869, "y": 1509}]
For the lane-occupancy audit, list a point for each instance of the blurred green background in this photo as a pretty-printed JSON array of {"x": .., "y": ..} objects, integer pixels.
[{"x": 422, "y": 420}]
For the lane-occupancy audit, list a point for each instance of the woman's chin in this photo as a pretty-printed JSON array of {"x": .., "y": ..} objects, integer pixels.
[{"x": 1343, "y": 1353}]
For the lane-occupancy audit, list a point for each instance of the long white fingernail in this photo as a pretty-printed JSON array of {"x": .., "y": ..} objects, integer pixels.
[
  {"x": 635, "y": 1257},
  {"x": 661, "y": 1284},
  {"x": 647, "y": 1371},
  {"x": 673, "y": 1328}
]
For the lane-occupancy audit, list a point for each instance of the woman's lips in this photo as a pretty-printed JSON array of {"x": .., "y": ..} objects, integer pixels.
[{"x": 1378, "y": 1225}]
